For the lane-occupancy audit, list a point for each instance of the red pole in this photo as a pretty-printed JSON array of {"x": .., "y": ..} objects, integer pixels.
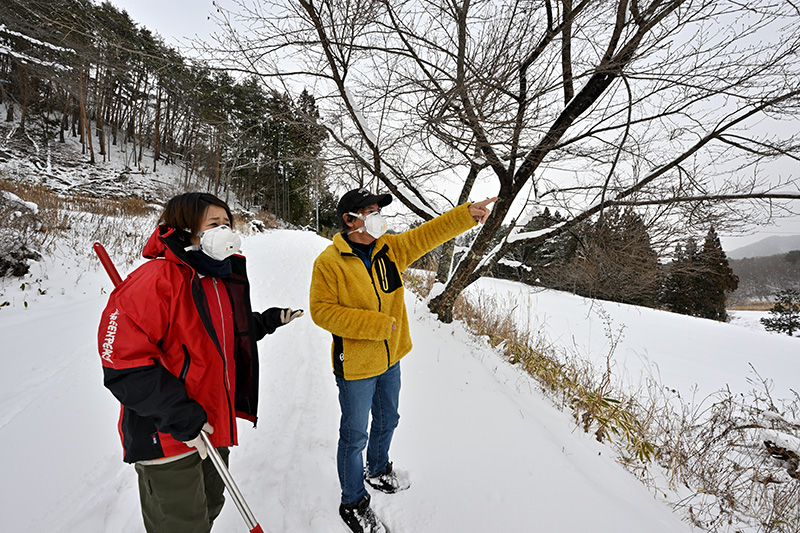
[{"x": 107, "y": 264}]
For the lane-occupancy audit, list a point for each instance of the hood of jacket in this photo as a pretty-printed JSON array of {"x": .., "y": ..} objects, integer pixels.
[{"x": 165, "y": 242}]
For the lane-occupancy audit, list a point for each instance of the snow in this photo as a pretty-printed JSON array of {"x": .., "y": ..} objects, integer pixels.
[
  {"x": 359, "y": 116},
  {"x": 514, "y": 264},
  {"x": 24, "y": 58},
  {"x": 4, "y": 29},
  {"x": 11, "y": 197},
  {"x": 6, "y": 49},
  {"x": 517, "y": 235},
  {"x": 680, "y": 352},
  {"x": 483, "y": 448}
]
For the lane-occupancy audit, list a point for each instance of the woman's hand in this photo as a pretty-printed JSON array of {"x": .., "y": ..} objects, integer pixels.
[
  {"x": 479, "y": 211},
  {"x": 287, "y": 315},
  {"x": 198, "y": 443}
]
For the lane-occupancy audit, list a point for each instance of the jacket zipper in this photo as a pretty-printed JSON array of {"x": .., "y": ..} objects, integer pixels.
[
  {"x": 222, "y": 344},
  {"x": 186, "y": 363},
  {"x": 377, "y": 295},
  {"x": 225, "y": 359},
  {"x": 380, "y": 305}
]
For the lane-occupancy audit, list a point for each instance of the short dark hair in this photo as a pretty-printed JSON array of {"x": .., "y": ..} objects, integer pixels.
[{"x": 185, "y": 212}]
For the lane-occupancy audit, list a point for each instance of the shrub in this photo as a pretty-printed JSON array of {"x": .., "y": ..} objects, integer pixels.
[
  {"x": 785, "y": 313},
  {"x": 20, "y": 236}
]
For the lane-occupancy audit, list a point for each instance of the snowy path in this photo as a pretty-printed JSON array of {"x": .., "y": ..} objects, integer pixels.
[{"x": 484, "y": 451}]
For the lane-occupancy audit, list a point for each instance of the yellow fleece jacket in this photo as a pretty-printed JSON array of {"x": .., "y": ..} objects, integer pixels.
[{"x": 359, "y": 306}]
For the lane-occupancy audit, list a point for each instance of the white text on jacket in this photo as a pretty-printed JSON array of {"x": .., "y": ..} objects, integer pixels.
[{"x": 111, "y": 333}]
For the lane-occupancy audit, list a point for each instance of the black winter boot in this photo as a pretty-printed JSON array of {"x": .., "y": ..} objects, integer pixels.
[
  {"x": 387, "y": 481},
  {"x": 360, "y": 517}
]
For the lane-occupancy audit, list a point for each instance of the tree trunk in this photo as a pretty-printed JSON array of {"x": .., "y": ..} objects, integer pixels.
[
  {"x": 218, "y": 158},
  {"x": 157, "y": 131},
  {"x": 167, "y": 135},
  {"x": 442, "y": 305},
  {"x": 448, "y": 248},
  {"x": 64, "y": 118},
  {"x": 101, "y": 134},
  {"x": 23, "y": 91},
  {"x": 86, "y": 131},
  {"x": 76, "y": 117}
]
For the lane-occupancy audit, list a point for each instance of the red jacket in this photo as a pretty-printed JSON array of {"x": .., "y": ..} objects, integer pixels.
[{"x": 162, "y": 357}]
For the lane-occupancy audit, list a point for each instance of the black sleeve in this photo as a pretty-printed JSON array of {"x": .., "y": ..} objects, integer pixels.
[
  {"x": 267, "y": 322},
  {"x": 155, "y": 393}
]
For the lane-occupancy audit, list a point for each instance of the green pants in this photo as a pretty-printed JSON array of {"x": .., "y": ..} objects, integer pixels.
[{"x": 184, "y": 496}]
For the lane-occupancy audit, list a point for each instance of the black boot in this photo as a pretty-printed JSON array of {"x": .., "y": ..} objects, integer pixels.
[
  {"x": 360, "y": 517},
  {"x": 387, "y": 481}
]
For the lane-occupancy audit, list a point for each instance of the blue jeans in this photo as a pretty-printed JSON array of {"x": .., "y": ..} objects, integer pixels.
[{"x": 381, "y": 395}]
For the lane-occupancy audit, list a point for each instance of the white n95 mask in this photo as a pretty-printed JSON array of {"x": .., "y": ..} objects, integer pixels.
[
  {"x": 374, "y": 223},
  {"x": 219, "y": 243}
]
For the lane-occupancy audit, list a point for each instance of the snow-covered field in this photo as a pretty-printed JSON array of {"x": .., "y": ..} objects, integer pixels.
[
  {"x": 484, "y": 450},
  {"x": 680, "y": 352}
]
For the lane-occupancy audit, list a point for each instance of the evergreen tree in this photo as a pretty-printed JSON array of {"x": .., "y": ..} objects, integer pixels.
[
  {"x": 118, "y": 83},
  {"x": 615, "y": 260},
  {"x": 679, "y": 290},
  {"x": 551, "y": 252},
  {"x": 785, "y": 314},
  {"x": 697, "y": 281},
  {"x": 716, "y": 278},
  {"x": 276, "y": 163}
]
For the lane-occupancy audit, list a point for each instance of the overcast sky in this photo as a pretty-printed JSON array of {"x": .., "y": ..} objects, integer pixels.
[
  {"x": 178, "y": 21},
  {"x": 172, "y": 19}
]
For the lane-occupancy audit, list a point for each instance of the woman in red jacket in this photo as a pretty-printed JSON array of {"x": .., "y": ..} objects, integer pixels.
[{"x": 177, "y": 342}]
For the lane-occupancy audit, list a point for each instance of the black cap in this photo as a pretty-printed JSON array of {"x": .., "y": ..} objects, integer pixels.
[{"x": 354, "y": 200}]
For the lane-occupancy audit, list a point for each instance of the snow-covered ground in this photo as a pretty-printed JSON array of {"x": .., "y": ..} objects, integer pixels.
[
  {"x": 680, "y": 352},
  {"x": 484, "y": 450}
]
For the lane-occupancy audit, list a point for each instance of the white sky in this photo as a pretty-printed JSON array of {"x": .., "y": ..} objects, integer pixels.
[
  {"x": 174, "y": 20},
  {"x": 178, "y": 21}
]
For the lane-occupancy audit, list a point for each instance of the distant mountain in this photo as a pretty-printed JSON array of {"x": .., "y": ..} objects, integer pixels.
[{"x": 765, "y": 247}]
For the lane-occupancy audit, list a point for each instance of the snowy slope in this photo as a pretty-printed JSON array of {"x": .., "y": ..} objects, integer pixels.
[
  {"x": 484, "y": 450},
  {"x": 681, "y": 352}
]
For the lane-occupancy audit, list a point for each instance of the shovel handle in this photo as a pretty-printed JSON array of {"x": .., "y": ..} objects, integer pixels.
[{"x": 230, "y": 484}]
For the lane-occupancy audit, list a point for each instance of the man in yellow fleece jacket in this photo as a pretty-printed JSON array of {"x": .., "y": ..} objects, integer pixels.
[{"x": 357, "y": 294}]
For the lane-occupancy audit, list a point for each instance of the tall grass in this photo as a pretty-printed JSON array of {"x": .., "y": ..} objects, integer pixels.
[{"x": 122, "y": 225}]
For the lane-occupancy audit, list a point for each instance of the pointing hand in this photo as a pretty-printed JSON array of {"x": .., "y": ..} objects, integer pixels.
[{"x": 480, "y": 211}]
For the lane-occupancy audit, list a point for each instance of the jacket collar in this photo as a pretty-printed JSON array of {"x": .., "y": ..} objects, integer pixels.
[
  {"x": 344, "y": 248},
  {"x": 164, "y": 242}
]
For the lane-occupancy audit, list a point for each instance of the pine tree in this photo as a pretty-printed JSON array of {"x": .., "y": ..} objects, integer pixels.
[
  {"x": 716, "y": 278},
  {"x": 785, "y": 313},
  {"x": 697, "y": 281},
  {"x": 679, "y": 289}
]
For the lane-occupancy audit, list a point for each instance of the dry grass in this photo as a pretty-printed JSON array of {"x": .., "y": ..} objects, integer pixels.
[
  {"x": 751, "y": 306},
  {"x": 122, "y": 225},
  {"x": 254, "y": 221},
  {"x": 49, "y": 201},
  {"x": 111, "y": 221}
]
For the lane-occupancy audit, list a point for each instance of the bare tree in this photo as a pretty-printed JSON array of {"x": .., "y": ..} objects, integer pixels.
[{"x": 671, "y": 106}]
